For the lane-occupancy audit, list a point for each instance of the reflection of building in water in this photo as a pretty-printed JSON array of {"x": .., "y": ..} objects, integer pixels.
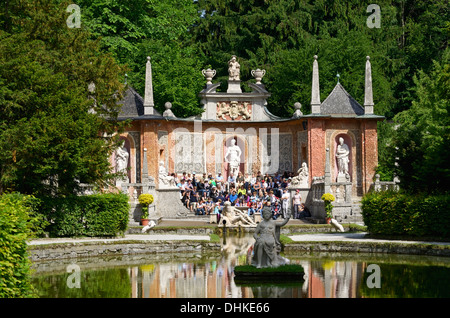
[
  {"x": 214, "y": 279},
  {"x": 332, "y": 279},
  {"x": 184, "y": 280}
]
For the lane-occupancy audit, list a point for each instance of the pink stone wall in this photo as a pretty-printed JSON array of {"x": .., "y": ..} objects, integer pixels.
[{"x": 321, "y": 133}]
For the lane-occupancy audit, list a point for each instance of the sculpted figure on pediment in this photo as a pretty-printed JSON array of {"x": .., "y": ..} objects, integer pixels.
[{"x": 234, "y": 69}]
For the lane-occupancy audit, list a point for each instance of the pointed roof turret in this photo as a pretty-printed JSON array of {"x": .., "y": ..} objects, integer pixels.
[
  {"x": 315, "y": 90},
  {"x": 149, "y": 105},
  {"x": 368, "y": 93},
  {"x": 341, "y": 104}
]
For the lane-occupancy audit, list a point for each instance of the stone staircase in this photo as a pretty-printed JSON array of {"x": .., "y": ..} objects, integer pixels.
[{"x": 355, "y": 215}]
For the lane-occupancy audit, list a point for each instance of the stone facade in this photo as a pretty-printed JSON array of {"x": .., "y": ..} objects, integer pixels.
[{"x": 268, "y": 143}]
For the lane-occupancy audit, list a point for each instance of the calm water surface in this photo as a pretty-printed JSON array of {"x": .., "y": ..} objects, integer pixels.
[{"x": 327, "y": 275}]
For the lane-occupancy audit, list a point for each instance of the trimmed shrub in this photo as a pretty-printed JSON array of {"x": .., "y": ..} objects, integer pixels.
[
  {"x": 17, "y": 224},
  {"x": 399, "y": 213},
  {"x": 93, "y": 215}
]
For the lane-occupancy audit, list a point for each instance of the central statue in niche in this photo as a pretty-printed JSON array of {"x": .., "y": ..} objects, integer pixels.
[
  {"x": 342, "y": 153},
  {"x": 233, "y": 157}
]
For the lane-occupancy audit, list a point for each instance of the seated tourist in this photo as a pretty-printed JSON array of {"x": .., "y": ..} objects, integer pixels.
[
  {"x": 252, "y": 209},
  {"x": 218, "y": 209},
  {"x": 209, "y": 206},
  {"x": 220, "y": 197},
  {"x": 233, "y": 197},
  {"x": 241, "y": 191},
  {"x": 201, "y": 207},
  {"x": 206, "y": 188},
  {"x": 193, "y": 201},
  {"x": 200, "y": 188},
  {"x": 240, "y": 179},
  {"x": 231, "y": 181},
  {"x": 304, "y": 212},
  {"x": 276, "y": 209},
  {"x": 259, "y": 206},
  {"x": 186, "y": 198},
  {"x": 219, "y": 178}
]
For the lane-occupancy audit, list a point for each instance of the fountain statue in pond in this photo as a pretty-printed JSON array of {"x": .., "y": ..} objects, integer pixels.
[
  {"x": 268, "y": 246},
  {"x": 233, "y": 217}
]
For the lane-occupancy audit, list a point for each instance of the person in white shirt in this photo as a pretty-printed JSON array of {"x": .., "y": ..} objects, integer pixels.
[
  {"x": 219, "y": 178},
  {"x": 253, "y": 179},
  {"x": 285, "y": 199}
]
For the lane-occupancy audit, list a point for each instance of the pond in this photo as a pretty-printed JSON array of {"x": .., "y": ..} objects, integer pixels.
[{"x": 189, "y": 275}]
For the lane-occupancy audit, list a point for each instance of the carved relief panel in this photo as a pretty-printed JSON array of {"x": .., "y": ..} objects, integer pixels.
[{"x": 234, "y": 110}]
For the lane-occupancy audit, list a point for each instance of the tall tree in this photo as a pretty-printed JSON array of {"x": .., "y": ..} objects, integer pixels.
[
  {"x": 54, "y": 132},
  {"x": 133, "y": 30},
  {"x": 422, "y": 138}
]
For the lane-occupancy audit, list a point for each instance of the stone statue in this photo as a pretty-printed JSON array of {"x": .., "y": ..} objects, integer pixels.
[
  {"x": 268, "y": 246},
  {"x": 122, "y": 156},
  {"x": 235, "y": 217},
  {"x": 121, "y": 159},
  {"x": 168, "y": 112},
  {"x": 342, "y": 153},
  {"x": 234, "y": 157},
  {"x": 298, "y": 110},
  {"x": 301, "y": 180},
  {"x": 165, "y": 181},
  {"x": 233, "y": 69}
]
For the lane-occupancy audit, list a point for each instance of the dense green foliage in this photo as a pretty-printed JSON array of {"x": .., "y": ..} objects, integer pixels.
[
  {"x": 401, "y": 213},
  {"x": 18, "y": 222},
  {"x": 133, "y": 30},
  {"x": 420, "y": 144},
  {"x": 54, "y": 133},
  {"x": 93, "y": 215}
]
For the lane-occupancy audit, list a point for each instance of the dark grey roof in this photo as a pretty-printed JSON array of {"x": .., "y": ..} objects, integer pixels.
[
  {"x": 132, "y": 104},
  {"x": 340, "y": 103}
]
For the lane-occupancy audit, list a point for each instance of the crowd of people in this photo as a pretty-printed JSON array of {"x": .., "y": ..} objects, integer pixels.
[{"x": 205, "y": 194}]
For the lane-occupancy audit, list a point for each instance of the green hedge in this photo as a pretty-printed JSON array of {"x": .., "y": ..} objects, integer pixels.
[
  {"x": 399, "y": 213},
  {"x": 17, "y": 224},
  {"x": 93, "y": 215}
]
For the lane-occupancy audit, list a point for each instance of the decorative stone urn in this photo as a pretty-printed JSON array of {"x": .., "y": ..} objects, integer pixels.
[
  {"x": 258, "y": 75},
  {"x": 209, "y": 74}
]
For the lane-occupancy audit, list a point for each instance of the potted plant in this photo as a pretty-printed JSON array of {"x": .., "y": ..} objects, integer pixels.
[
  {"x": 328, "y": 198},
  {"x": 145, "y": 200}
]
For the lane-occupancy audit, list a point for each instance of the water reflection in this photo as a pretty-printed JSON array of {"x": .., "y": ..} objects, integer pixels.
[{"x": 211, "y": 276}]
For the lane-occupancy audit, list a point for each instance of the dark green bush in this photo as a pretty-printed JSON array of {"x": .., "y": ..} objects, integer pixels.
[
  {"x": 17, "y": 224},
  {"x": 400, "y": 213},
  {"x": 93, "y": 215}
]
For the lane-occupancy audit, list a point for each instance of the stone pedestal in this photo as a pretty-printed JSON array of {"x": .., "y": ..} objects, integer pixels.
[
  {"x": 169, "y": 204},
  {"x": 342, "y": 178},
  {"x": 234, "y": 87}
]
